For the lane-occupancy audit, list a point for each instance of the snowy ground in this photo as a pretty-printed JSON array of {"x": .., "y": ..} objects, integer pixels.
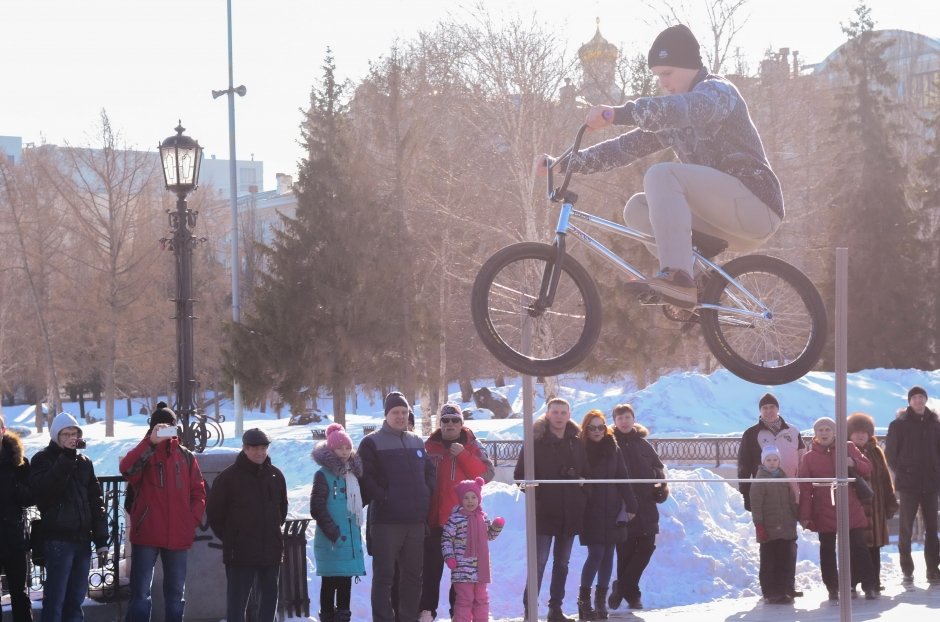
[{"x": 706, "y": 549}]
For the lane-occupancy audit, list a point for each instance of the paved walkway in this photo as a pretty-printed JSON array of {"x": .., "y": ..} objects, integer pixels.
[{"x": 895, "y": 605}]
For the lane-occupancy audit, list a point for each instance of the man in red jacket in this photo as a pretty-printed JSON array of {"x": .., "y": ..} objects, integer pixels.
[
  {"x": 169, "y": 502},
  {"x": 458, "y": 456}
]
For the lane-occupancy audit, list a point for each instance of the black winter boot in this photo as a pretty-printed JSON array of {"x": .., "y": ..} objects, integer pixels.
[
  {"x": 585, "y": 611},
  {"x": 600, "y": 603},
  {"x": 613, "y": 601},
  {"x": 342, "y": 615},
  {"x": 555, "y": 614},
  {"x": 328, "y": 616}
]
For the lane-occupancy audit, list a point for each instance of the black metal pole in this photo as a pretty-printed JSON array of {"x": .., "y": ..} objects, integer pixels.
[{"x": 182, "y": 223}]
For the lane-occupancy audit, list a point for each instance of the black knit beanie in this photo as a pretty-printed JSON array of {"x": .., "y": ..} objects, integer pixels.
[
  {"x": 676, "y": 47},
  {"x": 916, "y": 390},
  {"x": 394, "y": 399},
  {"x": 768, "y": 399},
  {"x": 163, "y": 414}
]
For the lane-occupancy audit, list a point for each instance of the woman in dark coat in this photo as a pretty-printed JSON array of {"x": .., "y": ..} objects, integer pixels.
[
  {"x": 883, "y": 505},
  {"x": 609, "y": 508},
  {"x": 14, "y": 498},
  {"x": 634, "y": 553}
]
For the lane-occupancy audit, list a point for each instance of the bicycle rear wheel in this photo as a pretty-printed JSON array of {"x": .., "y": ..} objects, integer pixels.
[
  {"x": 503, "y": 305},
  {"x": 778, "y": 348}
]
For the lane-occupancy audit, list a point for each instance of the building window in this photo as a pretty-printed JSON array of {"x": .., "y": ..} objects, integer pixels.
[{"x": 247, "y": 176}]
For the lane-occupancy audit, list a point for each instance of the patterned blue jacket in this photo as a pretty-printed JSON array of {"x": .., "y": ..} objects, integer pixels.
[{"x": 709, "y": 126}]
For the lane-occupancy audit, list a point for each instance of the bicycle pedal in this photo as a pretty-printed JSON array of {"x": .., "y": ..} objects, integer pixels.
[
  {"x": 649, "y": 298},
  {"x": 678, "y": 314}
]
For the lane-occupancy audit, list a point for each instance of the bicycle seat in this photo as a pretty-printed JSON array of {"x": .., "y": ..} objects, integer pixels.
[{"x": 708, "y": 245}]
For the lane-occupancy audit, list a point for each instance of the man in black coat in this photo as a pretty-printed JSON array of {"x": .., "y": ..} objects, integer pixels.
[
  {"x": 70, "y": 502},
  {"x": 246, "y": 508},
  {"x": 912, "y": 448},
  {"x": 559, "y": 508},
  {"x": 15, "y": 497},
  {"x": 634, "y": 553}
]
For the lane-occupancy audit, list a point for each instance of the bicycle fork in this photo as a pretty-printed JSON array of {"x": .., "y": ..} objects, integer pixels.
[{"x": 552, "y": 273}]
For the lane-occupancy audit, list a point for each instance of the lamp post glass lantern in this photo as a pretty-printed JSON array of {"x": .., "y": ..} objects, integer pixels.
[{"x": 181, "y": 156}]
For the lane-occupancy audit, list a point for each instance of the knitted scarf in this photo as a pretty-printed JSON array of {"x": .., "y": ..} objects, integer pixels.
[
  {"x": 477, "y": 542},
  {"x": 353, "y": 497}
]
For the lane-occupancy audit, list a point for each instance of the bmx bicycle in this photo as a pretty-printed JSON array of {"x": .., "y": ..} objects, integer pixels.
[{"x": 538, "y": 311}]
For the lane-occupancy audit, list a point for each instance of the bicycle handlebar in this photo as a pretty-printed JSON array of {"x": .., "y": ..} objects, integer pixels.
[{"x": 556, "y": 195}]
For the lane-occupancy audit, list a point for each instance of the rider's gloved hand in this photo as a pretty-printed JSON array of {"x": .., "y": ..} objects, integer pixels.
[
  {"x": 599, "y": 117},
  {"x": 541, "y": 164}
]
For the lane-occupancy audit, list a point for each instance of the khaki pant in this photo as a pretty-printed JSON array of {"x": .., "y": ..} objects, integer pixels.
[{"x": 681, "y": 197}]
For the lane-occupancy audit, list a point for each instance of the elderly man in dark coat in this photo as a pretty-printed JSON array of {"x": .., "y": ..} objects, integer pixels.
[{"x": 247, "y": 507}]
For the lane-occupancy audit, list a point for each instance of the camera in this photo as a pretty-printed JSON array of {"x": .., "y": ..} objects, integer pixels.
[
  {"x": 568, "y": 473},
  {"x": 166, "y": 432},
  {"x": 80, "y": 444}
]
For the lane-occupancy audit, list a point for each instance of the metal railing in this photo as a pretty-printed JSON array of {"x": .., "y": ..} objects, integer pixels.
[
  {"x": 685, "y": 451},
  {"x": 105, "y": 586}
]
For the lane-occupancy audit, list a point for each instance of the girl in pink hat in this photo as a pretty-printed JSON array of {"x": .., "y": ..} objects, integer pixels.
[{"x": 466, "y": 550}]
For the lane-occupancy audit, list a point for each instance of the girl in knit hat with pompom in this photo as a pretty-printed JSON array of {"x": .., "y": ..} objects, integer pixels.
[
  {"x": 336, "y": 506},
  {"x": 466, "y": 550}
]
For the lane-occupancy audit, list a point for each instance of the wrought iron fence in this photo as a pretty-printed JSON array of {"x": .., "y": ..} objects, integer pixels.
[{"x": 109, "y": 583}]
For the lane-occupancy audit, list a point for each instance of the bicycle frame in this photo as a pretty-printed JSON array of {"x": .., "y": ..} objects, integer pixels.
[{"x": 739, "y": 293}]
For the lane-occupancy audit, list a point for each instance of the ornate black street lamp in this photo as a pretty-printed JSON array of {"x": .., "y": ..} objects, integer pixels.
[{"x": 181, "y": 157}]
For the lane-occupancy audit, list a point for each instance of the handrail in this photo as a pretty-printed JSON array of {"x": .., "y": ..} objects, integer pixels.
[{"x": 716, "y": 450}]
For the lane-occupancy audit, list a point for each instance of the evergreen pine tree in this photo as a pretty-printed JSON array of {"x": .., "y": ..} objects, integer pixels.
[
  {"x": 320, "y": 310},
  {"x": 927, "y": 192},
  {"x": 871, "y": 214}
]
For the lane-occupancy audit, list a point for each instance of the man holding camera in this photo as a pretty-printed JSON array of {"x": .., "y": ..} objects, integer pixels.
[
  {"x": 559, "y": 508},
  {"x": 70, "y": 502},
  {"x": 169, "y": 499},
  {"x": 457, "y": 456}
]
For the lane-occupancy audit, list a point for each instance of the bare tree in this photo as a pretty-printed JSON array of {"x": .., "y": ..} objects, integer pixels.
[
  {"x": 110, "y": 193},
  {"x": 32, "y": 232}
]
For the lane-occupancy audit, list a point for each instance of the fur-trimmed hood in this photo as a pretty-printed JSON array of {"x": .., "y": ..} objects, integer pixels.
[
  {"x": 325, "y": 457},
  {"x": 906, "y": 413},
  {"x": 540, "y": 428},
  {"x": 638, "y": 428},
  {"x": 12, "y": 449}
]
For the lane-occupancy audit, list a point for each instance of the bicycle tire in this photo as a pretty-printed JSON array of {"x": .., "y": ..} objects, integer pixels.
[
  {"x": 561, "y": 336},
  {"x": 775, "y": 350}
]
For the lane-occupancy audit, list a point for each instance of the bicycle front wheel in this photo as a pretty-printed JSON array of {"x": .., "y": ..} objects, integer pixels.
[
  {"x": 504, "y": 309},
  {"x": 775, "y": 346}
]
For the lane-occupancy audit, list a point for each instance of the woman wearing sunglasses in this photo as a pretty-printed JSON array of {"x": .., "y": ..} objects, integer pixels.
[{"x": 609, "y": 508}]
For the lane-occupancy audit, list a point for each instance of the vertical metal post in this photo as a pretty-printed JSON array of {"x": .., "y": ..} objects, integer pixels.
[
  {"x": 233, "y": 185},
  {"x": 842, "y": 491},
  {"x": 528, "y": 465},
  {"x": 182, "y": 223}
]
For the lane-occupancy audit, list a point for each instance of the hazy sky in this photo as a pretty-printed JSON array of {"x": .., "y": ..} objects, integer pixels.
[{"x": 151, "y": 62}]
